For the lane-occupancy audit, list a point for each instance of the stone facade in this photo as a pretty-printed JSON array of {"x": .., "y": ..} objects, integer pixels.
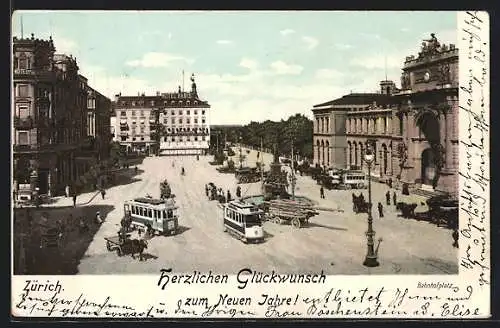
[
  {"x": 412, "y": 130},
  {"x": 181, "y": 120},
  {"x": 99, "y": 120},
  {"x": 49, "y": 111}
]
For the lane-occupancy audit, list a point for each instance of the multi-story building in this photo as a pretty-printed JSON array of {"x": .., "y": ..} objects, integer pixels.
[
  {"x": 173, "y": 123},
  {"x": 98, "y": 121},
  {"x": 48, "y": 119},
  {"x": 412, "y": 131},
  {"x": 341, "y": 127},
  {"x": 185, "y": 121},
  {"x": 136, "y": 120}
]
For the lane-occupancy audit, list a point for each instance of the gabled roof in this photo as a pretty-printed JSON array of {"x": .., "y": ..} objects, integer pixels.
[{"x": 358, "y": 99}]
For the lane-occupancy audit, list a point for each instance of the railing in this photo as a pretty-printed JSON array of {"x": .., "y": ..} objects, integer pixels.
[
  {"x": 23, "y": 123},
  {"x": 38, "y": 73}
]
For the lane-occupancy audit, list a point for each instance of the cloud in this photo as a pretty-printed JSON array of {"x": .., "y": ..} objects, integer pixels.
[
  {"x": 342, "y": 46},
  {"x": 379, "y": 61},
  {"x": 248, "y": 63},
  {"x": 157, "y": 59},
  {"x": 327, "y": 73},
  {"x": 65, "y": 46},
  {"x": 311, "y": 42},
  {"x": 282, "y": 68},
  {"x": 286, "y": 32},
  {"x": 224, "y": 41},
  {"x": 404, "y": 29}
]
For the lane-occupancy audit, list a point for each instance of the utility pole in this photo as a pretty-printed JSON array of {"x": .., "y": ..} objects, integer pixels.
[
  {"x": 293, "y": 176},
  {"x": 261, "y": 166}
]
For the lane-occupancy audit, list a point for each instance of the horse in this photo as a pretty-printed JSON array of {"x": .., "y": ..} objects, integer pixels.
[{"x": 137, "y": 246}]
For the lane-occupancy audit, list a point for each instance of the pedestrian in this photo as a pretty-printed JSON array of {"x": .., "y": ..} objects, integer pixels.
[
  {"x": 98, "y": 217},
  {"x": 322, "y": 192},
  {"x": 380, "y": 210},
  {"x": 455, "y": 238},
  {"x": 103, "y": 193},
  {"x": 67, "y": 190},
  {"x": 228, "y": 196},
  {"x": 206, "y": 190},
  {"x": 74, "y": 200},
  {"x": 238, "y": 192},
  {"x": 136, "y": 169},
  {"x": 394, "y": 199},
  {"x": 388, "y": 197}
]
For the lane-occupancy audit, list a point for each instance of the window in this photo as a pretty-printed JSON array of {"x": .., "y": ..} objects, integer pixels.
[
  {"x": 173, "y": 139},
  {"x": 170, "y": 213},
  {"x": 123, "y": 113},
  {"x": 133, "y": 113},
  {"x": 142, "y": 139},
  {"x": 172, "y": 113},
  {"x": 188, "y": 138},
  {"x": 180, "y": 112},
  {"x": 165, "y": 121},
  {"x": 124, "y": 138},
  {"x": 203, "y": 112},
  {"x": 195, "y": 112},
  {"x": 203, "y": 121},
  {"x": 133, "y": 139},
  {"x": 203, "y": 138},
  {"x": 195, "y": 138},
  {"x": 188, "y": 112},
  {"x": 22, "y": 138},
  {"x": 180, "y": 121},
  {"x": 195, "y": 121},
  {"x": 173, "y": 121},
  {"x": 188, "y": 121},
  {"x": 23, "y": 111},
  {"x": 23, "y": 90},
  {"x": 23, "y": 63},
  {"x": 152, "y": 102}
]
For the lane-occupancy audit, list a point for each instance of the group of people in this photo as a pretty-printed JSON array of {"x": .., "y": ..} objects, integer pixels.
[
  {"x": 380, "y": 207},
  {"x": 214, "y": 193}
]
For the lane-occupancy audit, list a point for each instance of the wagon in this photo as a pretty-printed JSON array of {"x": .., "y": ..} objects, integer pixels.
[
  {"x": 121, "y": 247},
  {"x": 281, "y": 211}
]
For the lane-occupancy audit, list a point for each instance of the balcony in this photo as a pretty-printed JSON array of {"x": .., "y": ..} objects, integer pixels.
[
  {"x": 40, "y": 74},
  {"x": 23, "y": 123}
]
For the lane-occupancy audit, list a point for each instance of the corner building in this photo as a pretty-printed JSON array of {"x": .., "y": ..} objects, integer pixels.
[
  {"x": 176, "y": 123},
  {"x": 413, "y": 130}
]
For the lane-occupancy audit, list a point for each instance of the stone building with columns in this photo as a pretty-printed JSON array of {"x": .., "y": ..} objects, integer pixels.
[{"x": 413, "y": 130}]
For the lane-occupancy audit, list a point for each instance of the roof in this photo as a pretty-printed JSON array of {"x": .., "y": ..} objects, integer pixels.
[
  {"x": 358, "y": 99},
  {"x": 151, "y": 201}
]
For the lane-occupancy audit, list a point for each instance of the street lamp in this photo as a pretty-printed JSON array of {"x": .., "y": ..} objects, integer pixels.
[{"x": 371, "y": 257}]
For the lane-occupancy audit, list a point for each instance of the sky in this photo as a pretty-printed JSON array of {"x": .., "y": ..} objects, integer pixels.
[{"x": 249, "y": 66}]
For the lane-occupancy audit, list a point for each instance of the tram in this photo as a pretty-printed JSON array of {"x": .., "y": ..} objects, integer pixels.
[
  {"x": 153, "y": 215},
  {"x": 243, "y": 220}
]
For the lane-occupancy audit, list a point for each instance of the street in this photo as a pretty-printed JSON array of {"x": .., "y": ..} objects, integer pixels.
[{"x": 334, "y": 241}]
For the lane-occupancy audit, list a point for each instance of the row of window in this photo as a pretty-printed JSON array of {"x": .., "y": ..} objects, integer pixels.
[
  {"x": 141, "y": 113},
  {"x": 233, "y": 215},
  {"x": 156, "y": 103},
  {"x": 180, "y": 121},
  {"x": 151, "y": 213},
  {"x": 179, "y": 138}
]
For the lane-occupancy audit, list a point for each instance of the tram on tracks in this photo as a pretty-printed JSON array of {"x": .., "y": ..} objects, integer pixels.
[{"x": 243, "y": 221}]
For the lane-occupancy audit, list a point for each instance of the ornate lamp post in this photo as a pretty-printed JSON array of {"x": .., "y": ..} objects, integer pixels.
[{"x": 371, "y": 256}]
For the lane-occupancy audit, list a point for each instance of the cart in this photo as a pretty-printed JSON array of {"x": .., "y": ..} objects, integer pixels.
[
  {"x": 281, "y": 211},
  {"x": 121, "y": 246}
]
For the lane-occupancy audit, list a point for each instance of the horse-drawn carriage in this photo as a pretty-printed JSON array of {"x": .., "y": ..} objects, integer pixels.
[
  {"x": 248, "y": 174},
  {"x": 123, "y": 245},
  {"x": 359, "y": 204},
  {"x": 295, "y": 212}
]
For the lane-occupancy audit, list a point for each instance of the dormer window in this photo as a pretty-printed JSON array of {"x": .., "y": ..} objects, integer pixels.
[
  {"x": 172, "y": 102},
  {"x": 180, "y": 102},
  {"x": 195, "y": 102},
  {"x": 188, "y": 103}
]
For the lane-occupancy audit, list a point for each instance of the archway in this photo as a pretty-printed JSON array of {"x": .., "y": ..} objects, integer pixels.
[
  {"x": 327, "y": 153},
  {"x": 349, "y": 157},
  {"x": 355, "y": 154},
  {"x": 361, "y": 155},
  {"x": 432, "y": 158},
  {"x": 322, "y": 153},
  {"x": 318, "y": 152},
  {"x": 429, "y": 169},
  {"x": 384, "y": 160}
]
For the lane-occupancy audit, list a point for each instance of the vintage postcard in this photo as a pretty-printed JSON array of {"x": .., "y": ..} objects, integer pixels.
[{"x": 279, "y": 164}]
